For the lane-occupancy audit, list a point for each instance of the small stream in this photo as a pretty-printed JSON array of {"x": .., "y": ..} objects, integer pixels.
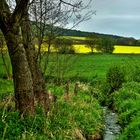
[{"x": 112, "y": 128}]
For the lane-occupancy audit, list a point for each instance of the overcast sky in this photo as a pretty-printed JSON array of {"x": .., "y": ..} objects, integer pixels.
[{"x": 118, "y": 17}]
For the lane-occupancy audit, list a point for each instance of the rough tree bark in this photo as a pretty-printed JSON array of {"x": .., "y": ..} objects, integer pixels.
[
  {"x": 23, "y": 84},
  {"x": 37, "y": 76}
]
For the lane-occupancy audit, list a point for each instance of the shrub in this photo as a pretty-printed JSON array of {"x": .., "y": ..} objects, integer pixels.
[{"x": 115, "y": 77}]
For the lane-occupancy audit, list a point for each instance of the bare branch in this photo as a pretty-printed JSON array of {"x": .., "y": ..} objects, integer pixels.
[
  {"x": 70, "y": 4},
  {"x": 20, "y": 9}
]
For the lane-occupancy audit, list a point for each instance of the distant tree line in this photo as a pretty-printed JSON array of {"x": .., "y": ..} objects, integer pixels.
[{"x": 119, "y": 40}]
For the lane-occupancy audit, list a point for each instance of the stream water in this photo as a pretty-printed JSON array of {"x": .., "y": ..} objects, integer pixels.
[{"x": 112, "y": 128}]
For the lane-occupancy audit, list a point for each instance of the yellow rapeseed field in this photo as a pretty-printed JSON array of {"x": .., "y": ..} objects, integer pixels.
[
  {"x": 127, "y": 49},
  {"x": 83, "y": 49},
  {"x": 118, "y": 49}
]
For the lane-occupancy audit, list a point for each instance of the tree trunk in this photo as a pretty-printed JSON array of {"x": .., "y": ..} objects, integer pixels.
[
  {"x": 23, "y": 84},
  {"x": 37, "y": 76},
  {"x": 26, "y": 73}
]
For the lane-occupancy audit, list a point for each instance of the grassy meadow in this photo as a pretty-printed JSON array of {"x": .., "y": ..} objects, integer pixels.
[
  {"x": 93, "y": 66},
  {"x": 86, "y": 66}
]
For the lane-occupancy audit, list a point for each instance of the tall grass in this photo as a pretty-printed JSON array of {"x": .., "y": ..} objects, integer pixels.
[
  {"x": 126, "y": 103},
  {"x": 76, "y": 118}
]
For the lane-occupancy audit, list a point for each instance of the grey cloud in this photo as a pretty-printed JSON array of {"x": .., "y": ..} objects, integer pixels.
[{"x": 119, "y": 17}]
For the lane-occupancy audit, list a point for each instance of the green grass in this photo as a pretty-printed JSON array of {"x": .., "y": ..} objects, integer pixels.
[
  {"x": 81, "y": 115},
  {"x": 88, "y": 65},
  {"x": 91, "y": 67},
  {"x": 6, "y": 87},
  {"x": 2, "y": 68},
  {"x": 126, "y": 103}
]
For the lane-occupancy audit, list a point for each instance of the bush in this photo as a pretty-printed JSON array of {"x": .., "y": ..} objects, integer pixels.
[{"x": 115, "y": 77}]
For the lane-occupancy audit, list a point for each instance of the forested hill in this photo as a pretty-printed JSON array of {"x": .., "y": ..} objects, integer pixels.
[{"x": 120, "y": 40}]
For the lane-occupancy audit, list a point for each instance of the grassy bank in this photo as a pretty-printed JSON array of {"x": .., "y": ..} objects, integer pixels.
[
  {"x": 72, "y": 117},
  {"x": 126, "y": 103}
]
